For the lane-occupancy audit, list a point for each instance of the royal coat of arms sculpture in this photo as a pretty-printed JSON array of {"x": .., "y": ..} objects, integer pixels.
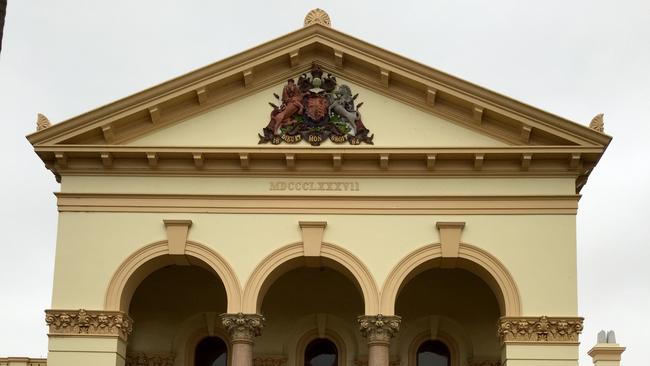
[{"x": 315, "y": 109}]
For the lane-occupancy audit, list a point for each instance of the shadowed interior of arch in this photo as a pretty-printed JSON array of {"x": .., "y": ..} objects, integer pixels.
[
  {"x": 468, "y": 266},
  {"x": 166, "y": 299},
  {"x": 317, "y": 299},
  {"x": 458, "y": 295},
  {"x": 324, "y": 265}
]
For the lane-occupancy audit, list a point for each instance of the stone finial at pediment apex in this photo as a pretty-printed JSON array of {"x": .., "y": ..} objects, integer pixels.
[
  {"x": 317, "y": 16},
  {"x": 598, "y": 123},
  {"x": 42, "y": 122}
]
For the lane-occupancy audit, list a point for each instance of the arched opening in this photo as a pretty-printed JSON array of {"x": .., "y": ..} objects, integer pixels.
[
  {"x": 155, "y": 256},
  {"x": 459, "y": 309},
  {"x": 433, "y": 353},
  {"x": 321, "y": 352},
  {"x": 292, "y": 256},
  {"x": 310, "y": 313},
  {"x": 211, "y": 351},
  {"x": 162, "y": 304},
  {"x": 470, "y": 258}
]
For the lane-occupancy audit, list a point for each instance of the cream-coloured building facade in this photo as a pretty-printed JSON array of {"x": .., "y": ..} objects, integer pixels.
[{"x": 450, "y": 240}]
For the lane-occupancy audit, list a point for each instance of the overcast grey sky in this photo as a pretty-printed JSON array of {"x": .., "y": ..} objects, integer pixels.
[{"x": 572, "y": 58}]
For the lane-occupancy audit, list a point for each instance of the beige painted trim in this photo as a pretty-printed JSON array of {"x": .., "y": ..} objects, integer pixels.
[
  {"x": 443, "y": 337},
  {"x": 284, "y": 259},
  {"x": 22, "y": 361},
  {"x": 154, "y": 256},
  {"x": 606, "y": 353},
  {"x": 349, "y": 204},
  {"x": 471, "y": 258}
]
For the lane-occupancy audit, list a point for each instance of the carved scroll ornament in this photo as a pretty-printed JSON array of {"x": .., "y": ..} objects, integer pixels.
[
  {"x": 379, "y": 328},
  {"x": 544, "y": 329},
  {"x": 243, "y": 327},
  {"x": 92, "y": 322}
]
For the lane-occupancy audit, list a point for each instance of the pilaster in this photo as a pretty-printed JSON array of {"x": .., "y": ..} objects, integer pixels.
[
  {"x": 87, "y": 337},
  {"x": 543, "y": 341}
]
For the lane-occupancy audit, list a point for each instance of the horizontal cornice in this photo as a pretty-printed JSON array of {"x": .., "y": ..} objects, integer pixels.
[
  {"x": 330, "y": 204},
  {"x": 570, "y": 161}
]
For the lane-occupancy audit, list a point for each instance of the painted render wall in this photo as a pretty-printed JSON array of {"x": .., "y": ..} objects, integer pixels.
[
  {"x": 538, "y": 250},
  {"x": 393, "y": 123}
]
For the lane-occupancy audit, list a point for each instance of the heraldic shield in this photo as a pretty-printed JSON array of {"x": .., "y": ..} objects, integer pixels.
[{"x": 314, "y": 109}]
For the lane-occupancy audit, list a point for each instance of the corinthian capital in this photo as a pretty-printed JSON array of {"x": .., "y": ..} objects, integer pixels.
[
  {"x": 540, "y": 329},
  {"x": 379, "y": 328},
  {"x": 91, "y": 322},
  {"x": 243, "y": 327}
]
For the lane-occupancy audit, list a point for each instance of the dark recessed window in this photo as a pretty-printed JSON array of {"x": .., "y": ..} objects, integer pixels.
[
  {"x": 211, "y": 351},
  {"x": 321, "y": 352},
  {"x": 433, "y": 353}
]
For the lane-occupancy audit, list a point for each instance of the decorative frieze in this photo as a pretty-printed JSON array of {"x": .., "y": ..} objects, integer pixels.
[
  {"x": 379, "y": 328},
  {"x": 243, "y": 327},
  {"x": 92, "y": 322},
  {"x": 269, "y": 360},
  {"x": 542, "y": 329},
  {"x": 150, "y": 359}
]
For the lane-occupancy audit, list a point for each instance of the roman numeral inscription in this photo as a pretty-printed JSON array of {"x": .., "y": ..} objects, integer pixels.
[{"x": 313, "y": 186}]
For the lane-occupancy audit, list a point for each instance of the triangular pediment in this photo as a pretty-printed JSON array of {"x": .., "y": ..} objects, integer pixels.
[
  {"x": 391, "y": 122},
  {"x": 407, "y": 106},
  {"x": 269, "y": 64}
]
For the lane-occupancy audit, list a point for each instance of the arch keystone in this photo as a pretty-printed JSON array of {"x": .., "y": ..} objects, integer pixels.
[
  {"x": 450, "y": 233},
  {"x": 312, "y": 237},
  {"x": 177, "y": 235}
]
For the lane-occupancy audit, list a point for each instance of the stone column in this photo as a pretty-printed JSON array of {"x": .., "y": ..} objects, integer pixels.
[
  {"x": 379, "y": 330},
  {"x": 243, "y": 328}
]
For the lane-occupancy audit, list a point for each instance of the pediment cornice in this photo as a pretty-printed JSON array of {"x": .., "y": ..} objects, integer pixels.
[
  {"x": 541, "y": 143},
  {"x": 358, "y": 61}
]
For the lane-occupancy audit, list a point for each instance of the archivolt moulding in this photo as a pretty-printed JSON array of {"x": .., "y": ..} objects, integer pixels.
[
  {"x": 154, "y": 256},
  {"x": 280, "y": 262},
  {"x": 471, "y": 258}
]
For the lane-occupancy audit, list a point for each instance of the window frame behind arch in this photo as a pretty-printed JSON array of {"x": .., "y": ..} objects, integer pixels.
[
  {"x": 203, "y": 339},
  {"x": 197, "y": 336},
  {"x": 310, "y": 336},
  {"x": 444, "y": 338}
]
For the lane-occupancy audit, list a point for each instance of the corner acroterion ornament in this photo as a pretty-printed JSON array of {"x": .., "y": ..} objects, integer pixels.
[
  {"x": 317, "y": 16},
  {"x": 598, "y": 123},
  {"x": 42, "y": 122}
]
